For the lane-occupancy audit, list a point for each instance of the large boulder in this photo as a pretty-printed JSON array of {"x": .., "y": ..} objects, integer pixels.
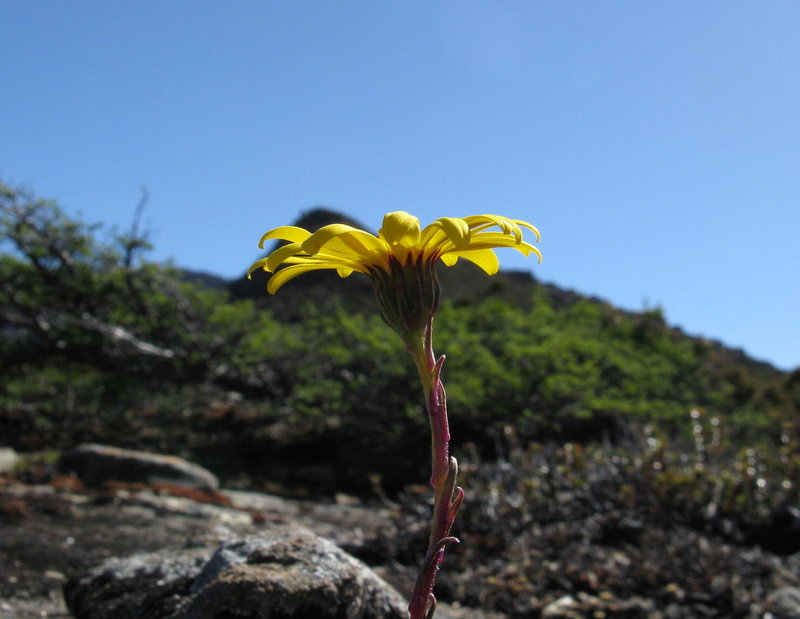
[
  {"x": 284, "y": 572},
  {"x": 95, "y": 464}
]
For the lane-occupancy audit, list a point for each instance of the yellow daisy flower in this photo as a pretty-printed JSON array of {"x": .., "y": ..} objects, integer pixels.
[
  {"x": 348, "y": 249},
  {"x": 400, "y": 261}
]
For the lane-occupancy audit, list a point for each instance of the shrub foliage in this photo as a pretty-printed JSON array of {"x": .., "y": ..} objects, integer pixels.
[{"x": 98, "y": 343}]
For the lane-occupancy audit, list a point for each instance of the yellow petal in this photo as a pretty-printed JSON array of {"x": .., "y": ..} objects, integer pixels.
[
  {"x": 457, "y": 230},
  {"x": 498, "y": 240},
  {"x": 530, "y": 227},
  {"x": 260, "y": 264},
  {"x": 290, "y": 272},
  {"x": 524, "y": 248},
  {"x": 286, "y": 233},
  {"x": 484, "y": 258},
  {"x": 358, "y": 240},
  {"x": 325, "y": 260},
  {"x": 400, "y": 228},
  {"x": 481, "y": 222},
  {"x": 280, "y": 255},
  {"x": 512, "y": 226},
  {"x": 432, "y": 236},
  {"x": 530, "y": 249},
  {"x": 350, "y": 246}
]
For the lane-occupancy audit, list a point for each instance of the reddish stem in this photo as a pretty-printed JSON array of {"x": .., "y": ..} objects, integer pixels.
[{"x": 447, "y": 496}]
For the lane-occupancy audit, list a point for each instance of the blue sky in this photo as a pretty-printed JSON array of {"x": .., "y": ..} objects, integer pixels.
[{"x": 656, "y": 145}]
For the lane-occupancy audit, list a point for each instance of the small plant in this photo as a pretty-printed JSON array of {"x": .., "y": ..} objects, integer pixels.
[{"x": 401, "y": 264}]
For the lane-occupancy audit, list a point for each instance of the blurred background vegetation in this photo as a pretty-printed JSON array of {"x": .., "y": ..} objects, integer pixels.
[{"x": 309, "y": 389}]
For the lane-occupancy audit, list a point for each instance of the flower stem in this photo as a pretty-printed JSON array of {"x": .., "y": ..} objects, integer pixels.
[{"x": 447, "y": 496}]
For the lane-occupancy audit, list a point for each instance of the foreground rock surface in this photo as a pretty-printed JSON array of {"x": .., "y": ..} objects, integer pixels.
[
  {"x": 594, "y": 563},
  {"x": 285, "y": 571},
  {"x": 54, "y": 533}
]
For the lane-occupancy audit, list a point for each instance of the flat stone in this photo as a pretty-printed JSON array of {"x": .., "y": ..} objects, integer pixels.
[{"x": 95, "y": 464}]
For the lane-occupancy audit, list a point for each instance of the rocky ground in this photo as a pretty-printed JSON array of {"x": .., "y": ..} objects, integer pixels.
[
  {"x": 51, "y": 532},
  {"x": 599, "y": 562}
]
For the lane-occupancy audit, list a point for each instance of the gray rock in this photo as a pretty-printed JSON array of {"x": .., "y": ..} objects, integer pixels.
[
  {"x": 583, "y": 605},
  {"x": 284, "y": 572},
  {"x": 784, "y": 603},
  {"x": 8, "y": 459},
  {"x": 94, "y": 464},
  {"x": 565, "y": 607},
  {"x": 165, "y": 505}
]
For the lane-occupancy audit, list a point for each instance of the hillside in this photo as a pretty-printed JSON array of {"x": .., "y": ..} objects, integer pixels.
[{"x": 103, "y": 344}]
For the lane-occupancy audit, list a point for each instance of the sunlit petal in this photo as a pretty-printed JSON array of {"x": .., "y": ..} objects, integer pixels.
[
  {"x": 362, "y": 247},
  {"x": 285, "y": 233},
  {"x": 530, "y": 227},
  {"x": 360, "y": 241},
  {"x": 484, "y": 258},
  {"x": 290, "y": 272},
  {"x": 400, "y": 228},
  {"x": 322, "y": 236},
  {"x": 527, "y": 250},
  {"x": 260, "y": 264},
  {"x": 457, "y": 231},
  {"x": 501, "y": 240},
  {"x": 432, "y": 237},
  {"x": 481, "y": 222},
  {"x": 328, "y": 260},
  {"x": 524, "y": 248},
  {"x": 280, "y": 255}
]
